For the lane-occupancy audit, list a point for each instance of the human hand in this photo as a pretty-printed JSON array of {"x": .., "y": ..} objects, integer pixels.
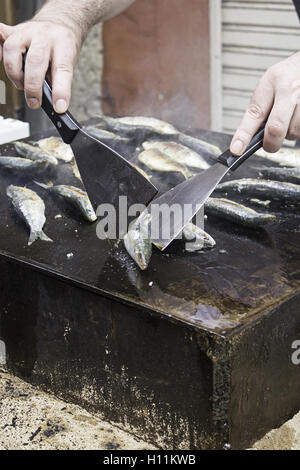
[
  {"x": 52, "y": 47},
  {"x": 276, "y": 100}
]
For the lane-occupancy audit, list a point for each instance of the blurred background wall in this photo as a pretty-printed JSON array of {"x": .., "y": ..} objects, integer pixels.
[
  {"x": 196, "y": 62},
  {"x": 254, "y": 36},
  {"x": 157, "y": 62},
  {"x": 192, "y": 62}
]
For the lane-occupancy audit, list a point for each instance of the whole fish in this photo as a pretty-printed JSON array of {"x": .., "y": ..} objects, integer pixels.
[
  {"x": 34, "y": 153},
  {"x": 139, "y": 246},
  {"x": 32, "y": 208},
  {"x": 137, "y": 243},
  {"x": 23, "y": 164},
  {"x": 130, "y": 125},
  {"x": 235, "y": 212},
  {"x": 199, "y": 145},
  {"x": 56, "y": 147},
  {"x": 270, "y": 189},
  {"x": 198, "y": 238},
  {"x": 76, "y": 196},
  {"x": 290, "y": 175},
  {"x": 159, "y": 161},
  {"x": 284, "y": 157},
  {"x": 178, "y": 153},
  {"x": 105, "y": 136}
]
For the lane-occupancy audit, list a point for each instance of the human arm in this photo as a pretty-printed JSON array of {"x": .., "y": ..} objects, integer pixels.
[{"x": 53, "y": 39}]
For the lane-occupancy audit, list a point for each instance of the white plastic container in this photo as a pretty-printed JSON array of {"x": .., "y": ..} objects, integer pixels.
[{"x": 11, "y": 129}]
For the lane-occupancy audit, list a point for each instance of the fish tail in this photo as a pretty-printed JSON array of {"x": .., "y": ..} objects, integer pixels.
[
  {"x": 44, "y": 237},
  {"x": 34, "y": 236},
  {"x": 188, "y": 174},
  {"x": 45, "y": 186}
]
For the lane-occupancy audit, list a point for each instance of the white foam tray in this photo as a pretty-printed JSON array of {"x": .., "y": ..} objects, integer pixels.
[{"x": 11, "y": 129}]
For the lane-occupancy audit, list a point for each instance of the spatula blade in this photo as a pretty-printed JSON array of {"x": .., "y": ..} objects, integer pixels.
[
  {"x": 188, "y": 197},
  {"x": 182, "y": 202},
  {"x": 107, "y": 175}
]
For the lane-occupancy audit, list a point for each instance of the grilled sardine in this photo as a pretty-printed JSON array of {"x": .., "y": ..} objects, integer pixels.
[
  {"x": 158, "y": 161},
  {"x": 23, "y": 165},
  {"x": 130, "y": 125},
  {"x": 178, "y": 153},
  {"x": 34, "y": 153},
  {"x": 269, "y": 189},
  {"x": 235, "y": 212},
  {"x": 284, "y": 157},
  {"x": 105, "y": 136},
  {"x": 289, "y": 175},
  {"x": 199, "y": 145},
  {"x": 137, "y": 243},
  {"x": 76, "y": 196},
  {"x": 55, "y": 146},
  {"x": 32, "y": 209}
]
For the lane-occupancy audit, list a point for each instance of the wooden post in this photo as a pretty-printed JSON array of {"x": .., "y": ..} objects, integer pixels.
[{"x": 157, "y": 62}]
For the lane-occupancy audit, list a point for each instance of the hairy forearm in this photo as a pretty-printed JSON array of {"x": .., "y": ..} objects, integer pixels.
[{"x": 81, "y": 14}]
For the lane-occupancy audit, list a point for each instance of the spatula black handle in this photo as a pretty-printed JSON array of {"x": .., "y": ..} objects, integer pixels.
[
  {"x": 64, "y": 123},
  {"x": 234, "y": 162}
]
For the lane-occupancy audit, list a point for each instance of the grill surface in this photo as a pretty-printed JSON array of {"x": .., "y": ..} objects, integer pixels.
[
  {"x": 248, "y": 271},
  {"x": 251, "y": 278}
]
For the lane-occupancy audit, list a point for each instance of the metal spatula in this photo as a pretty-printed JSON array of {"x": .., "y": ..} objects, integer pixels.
[
  {"x": 106, "y": 175},
  {"x": 188, "y": 197}
]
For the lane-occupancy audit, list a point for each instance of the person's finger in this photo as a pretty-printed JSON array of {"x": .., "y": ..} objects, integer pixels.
[
  {"x": 279, "y": 119},
  {"x": 37, "y": 63},
  {"x": 294, "y": 128},
  {"x": 62, "y": 74},
  {"x": 13, "y": 48},
  {"x": 254, "y": 117},
  {"x": 5, "y": 31}
]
